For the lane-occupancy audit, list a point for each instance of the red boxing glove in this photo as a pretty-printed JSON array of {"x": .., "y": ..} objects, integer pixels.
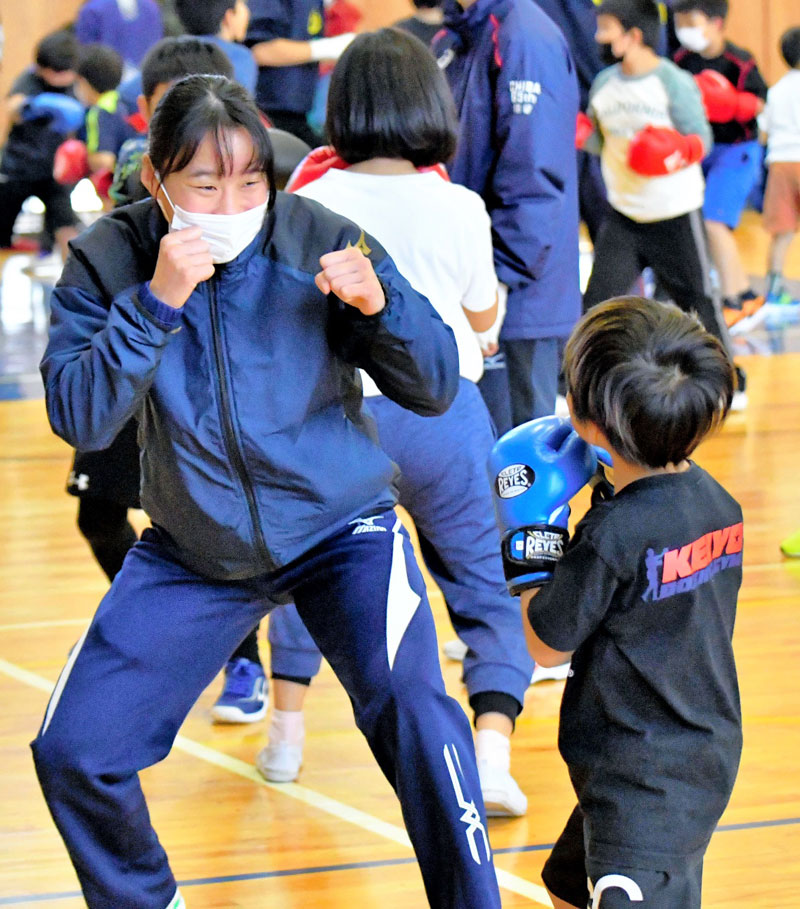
[
  {"x": 657, "y": 151},
  {"x": 102, "y": 181},
  {"x": 722, "y": 101},
  {"x": 138, "y": 122},
  {"x": 341, "y": 17},
  {"x": 584, "y": 127},
  {"x": 71, "y": 162}
]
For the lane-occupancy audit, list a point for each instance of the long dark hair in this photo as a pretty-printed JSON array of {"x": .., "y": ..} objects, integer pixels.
[
  {"x": 199, "y": 106},
  {"x": 388, "y": 99}
]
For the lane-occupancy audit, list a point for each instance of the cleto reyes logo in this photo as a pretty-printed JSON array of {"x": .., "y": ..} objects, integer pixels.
[{"x": 513, "y": 480}]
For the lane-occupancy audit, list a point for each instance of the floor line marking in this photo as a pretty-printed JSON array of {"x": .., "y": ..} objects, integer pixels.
[
  {"x": 55, "y": 623},
  {"x": 348, "y": 813},
  {"x": 349, "y": 866}
]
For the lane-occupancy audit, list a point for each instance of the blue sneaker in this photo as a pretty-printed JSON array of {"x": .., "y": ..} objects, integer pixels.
[
  {"x": 782, "y": 309},
  {"x": 244, "y": 697}
]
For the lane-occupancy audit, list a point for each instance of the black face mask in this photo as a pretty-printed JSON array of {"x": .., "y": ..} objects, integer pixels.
[{"x": 607, "y": 55}]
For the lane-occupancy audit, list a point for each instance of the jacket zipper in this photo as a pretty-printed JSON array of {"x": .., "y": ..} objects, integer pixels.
[{"x": 231, "y": 442}]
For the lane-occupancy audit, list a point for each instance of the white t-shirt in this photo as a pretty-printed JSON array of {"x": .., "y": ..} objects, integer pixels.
[
  {"x": 437, "y": 233},
  {"x": 780, "y": 119},
  {"x": 623, "y": 105}
]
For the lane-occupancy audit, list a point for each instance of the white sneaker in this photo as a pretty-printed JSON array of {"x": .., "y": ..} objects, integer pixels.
[
  {"x": 177, "y": 901},
  {"x": 280, "y": 763},
  {"x": 455, "y": 650},
  {"x": 739, "y": 402},
  {"x": 501, "y": 794},
  {"x": 549, "y": 673}
]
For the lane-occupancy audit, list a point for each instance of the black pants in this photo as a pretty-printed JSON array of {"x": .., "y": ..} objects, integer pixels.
[
  {"x": 676, "y": 250},
  {"x": 56, "y": 200}
]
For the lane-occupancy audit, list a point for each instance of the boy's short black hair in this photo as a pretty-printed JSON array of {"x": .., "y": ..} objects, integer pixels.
[
  {"x": 203, "y": 17},
  {"x": 641, "y": 14},
  {"x": 650, "y": 377},
  {"x": 58, "y": 51},
  {"x": 100, "y": 66},
  {"x": 790, "y": 47},
  {"x": 389, "y": 99},
  {"x": 174, "y": 58},
  {"x": 714, "y": 9},
  {"x": 427, "y": 4}
]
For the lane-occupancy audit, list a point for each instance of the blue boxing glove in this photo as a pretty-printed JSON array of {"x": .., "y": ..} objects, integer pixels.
[
  {"x": 535, "y": 470},
  {"x": 65, "y": 114}
]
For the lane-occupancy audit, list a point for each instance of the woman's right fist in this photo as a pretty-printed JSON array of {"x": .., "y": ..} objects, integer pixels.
[{"x": 184, "y": 260}]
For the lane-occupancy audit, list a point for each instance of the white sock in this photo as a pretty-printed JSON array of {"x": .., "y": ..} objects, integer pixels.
[
  {"x": 287, "y": 727},
  {"x": 493, "y": 748}
]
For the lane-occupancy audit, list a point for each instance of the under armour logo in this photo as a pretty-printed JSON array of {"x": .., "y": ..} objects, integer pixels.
[
  {"x": 470, "y": 816},
  {"x": 80, "y": 481}
]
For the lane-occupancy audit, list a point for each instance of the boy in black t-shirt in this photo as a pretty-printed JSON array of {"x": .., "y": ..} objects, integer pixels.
[
  {"x": 734, "y": 92},
  {"x": 426, "y": 22},
  {"x": 42, "y": 110},
  {"x": 643, "y": 602}
]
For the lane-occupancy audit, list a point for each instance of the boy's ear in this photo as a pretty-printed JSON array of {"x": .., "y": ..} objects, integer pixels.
[
  {"x": 143, "y": 108},
  {"x": 638, "y": 35},
  {"x": 148, "y": 175}
]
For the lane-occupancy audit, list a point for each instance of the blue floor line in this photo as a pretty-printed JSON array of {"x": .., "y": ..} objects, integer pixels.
[{"x": 355, "y": 866}]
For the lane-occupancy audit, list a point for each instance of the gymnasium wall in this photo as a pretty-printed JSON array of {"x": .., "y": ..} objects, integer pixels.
[{"x": 756, "y": 24}]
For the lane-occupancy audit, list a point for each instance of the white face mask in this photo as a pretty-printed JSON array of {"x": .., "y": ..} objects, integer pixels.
[
  {"x": 227, "y": 235},
  {"x": 693, "y": 38}
]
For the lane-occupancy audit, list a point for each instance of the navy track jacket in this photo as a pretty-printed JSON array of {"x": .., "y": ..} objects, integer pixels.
[
  {"x": 516, "y": 95},
  {"x": 254, "y": 444}
]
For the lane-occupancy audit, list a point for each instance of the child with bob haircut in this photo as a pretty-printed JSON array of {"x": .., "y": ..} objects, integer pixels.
[
  {"x": 391, "y": 120},
  {"x": 642, "y": 601}
]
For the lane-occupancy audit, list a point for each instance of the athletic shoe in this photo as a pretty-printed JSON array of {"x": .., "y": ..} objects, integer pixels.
[
  {"x": 455, "y": 650},
  {"x": 791, "y": 546},
  {"x": 244, "y": 697},
  {"x": 781, "y": 309},
  {"x": 502, "y": 796},
  {"x": 280, "y": 763},
  {"x": 750, "y": 314},
  {"x": 176, "y": 902},
  {"x": 739, "y": 402},
  {"x": 549, "y": 673}
]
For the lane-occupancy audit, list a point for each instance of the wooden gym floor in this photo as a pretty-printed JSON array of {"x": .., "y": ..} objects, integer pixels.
[{"x": 336, "y": 838}]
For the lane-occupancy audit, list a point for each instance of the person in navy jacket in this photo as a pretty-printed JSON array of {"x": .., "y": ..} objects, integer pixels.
[
  {"x": 232, "y": 322},
  {"x": 516, "y": 93}
]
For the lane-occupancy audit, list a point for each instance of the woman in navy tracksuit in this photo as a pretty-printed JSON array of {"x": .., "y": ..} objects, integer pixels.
[
  {"x": 516, "y": 95},
  {"x": 239, "y": 357}
]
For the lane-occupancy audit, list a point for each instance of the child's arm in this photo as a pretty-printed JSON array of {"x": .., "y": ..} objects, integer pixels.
[
  {"x": 686, "y": 109},
  {"x": 592, "y": 141},
  {"x": 541, "y": 652}
]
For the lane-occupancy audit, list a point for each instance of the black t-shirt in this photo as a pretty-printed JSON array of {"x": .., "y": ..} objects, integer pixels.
[
  {"x": 419, "y": 29},
  {"x": 741, "y": 70},
  {"x": 32, "y": 145},
  {"x": 650, "y": 721}
]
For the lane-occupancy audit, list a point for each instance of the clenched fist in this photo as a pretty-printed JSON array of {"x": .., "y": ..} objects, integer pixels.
[
  {"x": 349, "y": 274},
  {"x": 184, "y": 260}
]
